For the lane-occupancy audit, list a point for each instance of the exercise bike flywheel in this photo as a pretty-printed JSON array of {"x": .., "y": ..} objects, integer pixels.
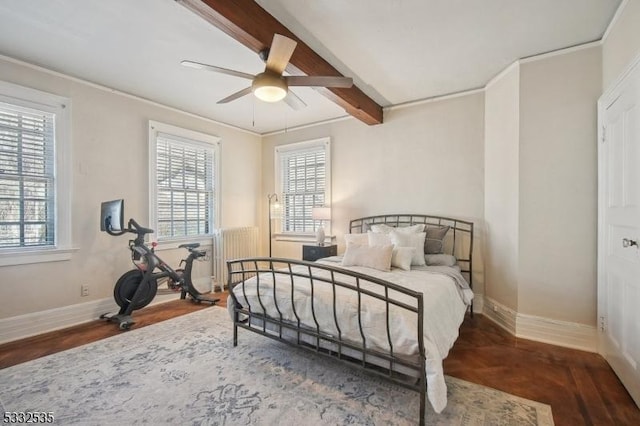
[{"x": 127, "y": 286}]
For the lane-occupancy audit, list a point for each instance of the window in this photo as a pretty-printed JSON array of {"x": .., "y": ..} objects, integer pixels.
[
  {"x": 34, "y": 176},
  {"x": 303, "y": 179},
  {"x": 184, "y": 184}
]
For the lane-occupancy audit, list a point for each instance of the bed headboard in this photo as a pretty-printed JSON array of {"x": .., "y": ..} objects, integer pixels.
[{"x": 458, "y": 241}]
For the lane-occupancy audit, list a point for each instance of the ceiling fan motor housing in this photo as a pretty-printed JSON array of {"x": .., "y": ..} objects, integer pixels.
[{"x": 269, "y": 87}]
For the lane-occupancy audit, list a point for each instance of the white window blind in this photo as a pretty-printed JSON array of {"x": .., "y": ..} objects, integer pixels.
[
  {"x": 27, "y": 177},
  {"x": 185, "y": 187},
  {"x": 304, "y": 172}
]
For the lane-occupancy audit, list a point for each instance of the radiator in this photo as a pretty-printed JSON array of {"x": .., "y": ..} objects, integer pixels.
[{"x": 232, "y": 243}]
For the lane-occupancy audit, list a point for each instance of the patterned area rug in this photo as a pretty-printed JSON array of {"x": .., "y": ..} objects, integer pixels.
[{"x": 186, "y": 371}]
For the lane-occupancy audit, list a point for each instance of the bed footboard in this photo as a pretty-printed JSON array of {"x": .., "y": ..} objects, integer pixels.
[{"x": 326, "y": 310}]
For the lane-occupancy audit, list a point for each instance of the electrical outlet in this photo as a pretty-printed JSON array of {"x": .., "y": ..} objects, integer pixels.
[{"x": 84, "y": 290}]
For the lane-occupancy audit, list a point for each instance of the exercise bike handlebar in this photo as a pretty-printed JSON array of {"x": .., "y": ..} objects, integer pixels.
[
  {"x": 136, "y": 228},
  {"x": 132, "y": 227},
  {"x": 141, "y": 231}
]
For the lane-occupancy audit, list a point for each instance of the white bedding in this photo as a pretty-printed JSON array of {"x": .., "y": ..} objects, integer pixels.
[{"x": 445, "y": 303}]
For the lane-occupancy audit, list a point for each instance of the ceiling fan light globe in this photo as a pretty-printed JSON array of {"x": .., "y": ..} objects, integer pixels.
[
  {"x": 270, "y": 93},
  {"x": 269, "y": 87}
]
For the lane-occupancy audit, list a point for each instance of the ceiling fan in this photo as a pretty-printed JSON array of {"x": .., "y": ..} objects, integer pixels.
[{"x": 270, "y": 85}]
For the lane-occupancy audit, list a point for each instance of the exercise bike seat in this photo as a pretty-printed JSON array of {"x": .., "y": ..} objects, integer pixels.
[{"x": 189, "y": 246}]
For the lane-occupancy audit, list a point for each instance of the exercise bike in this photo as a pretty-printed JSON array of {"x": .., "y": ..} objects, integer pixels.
[{"x": 136, "y": 288}]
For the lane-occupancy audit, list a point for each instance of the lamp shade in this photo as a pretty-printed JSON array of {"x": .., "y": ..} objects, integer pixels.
[
  {"x": 321, "y": 213},
  {"x": 276, "y": 210}
]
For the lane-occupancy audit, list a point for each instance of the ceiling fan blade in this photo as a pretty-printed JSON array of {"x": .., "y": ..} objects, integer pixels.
[
  {"x": 235, "y": 96},
  {"x": 294, "y": 101},
  {"x": 316, "y": 80},
  {"x": 279, "y": 53},
  {"x": 198, "y": 65}
]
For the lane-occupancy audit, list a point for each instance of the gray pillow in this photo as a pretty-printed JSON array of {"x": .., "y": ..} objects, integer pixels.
[
  {"x": 433, "y": 242},
  {"x": 440, "y": 260}
]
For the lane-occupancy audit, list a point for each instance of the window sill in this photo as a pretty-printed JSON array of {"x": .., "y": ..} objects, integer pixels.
[
  {"x": 302, "y": 238},
  {"x": 26, "y": 257},
  {"x": 206, "y": 240}
]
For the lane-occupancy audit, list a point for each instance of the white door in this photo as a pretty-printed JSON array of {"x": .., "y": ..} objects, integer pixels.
[{"x": 619, "y": 229}]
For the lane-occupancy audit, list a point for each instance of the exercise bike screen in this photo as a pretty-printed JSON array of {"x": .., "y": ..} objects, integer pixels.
[{"x": 112, "y": 212}]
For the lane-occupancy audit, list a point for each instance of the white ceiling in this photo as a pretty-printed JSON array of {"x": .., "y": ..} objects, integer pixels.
[{"x": 397, "y": 51}]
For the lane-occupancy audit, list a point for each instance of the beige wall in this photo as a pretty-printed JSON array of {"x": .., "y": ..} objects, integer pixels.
[
  {"x": 558, "y": 186},
  {"x": 622, "y": 43},
  {"x": 520, "y": 156},
  {"x": 541, "y": 186},
  {"x": 425, "y": 159},
  {"x": 110, "y": 160},
  {"x": 501, "y": 180}
]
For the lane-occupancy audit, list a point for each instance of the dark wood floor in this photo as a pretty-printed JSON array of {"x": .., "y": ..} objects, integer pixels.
[{"x": 580, "y": 386}]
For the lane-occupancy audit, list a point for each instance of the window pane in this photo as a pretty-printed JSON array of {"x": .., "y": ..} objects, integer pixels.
[
  {"x": 35, "y": 211},
  {"x": 27, "y": 194},
  {"x": 35, "y": 234},
  {"x": 185, "y": 187},
  {"x": 9, "y": 235},
  {"x": 303, "y": 179}
]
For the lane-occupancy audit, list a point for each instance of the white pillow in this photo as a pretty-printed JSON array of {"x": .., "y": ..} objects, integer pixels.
[
  {"x": 381, "y": 227},
  {"x": 362, "y": 239},
  {"x": 401, "y": 257},
  {"x": 376, "y": 257},
  {"x": 378, "y": 239},
  {"x": 401, "y": 239}
]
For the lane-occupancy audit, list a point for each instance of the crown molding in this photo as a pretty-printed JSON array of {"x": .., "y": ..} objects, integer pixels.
[
  {"x": 121, "y": 93},
  {"x": 614, "y": 20}
]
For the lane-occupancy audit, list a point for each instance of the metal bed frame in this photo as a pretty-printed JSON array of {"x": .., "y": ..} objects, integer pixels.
[{"x": 406, "y": 370}]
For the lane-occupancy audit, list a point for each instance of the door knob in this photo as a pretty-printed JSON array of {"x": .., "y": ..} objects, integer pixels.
[{"x": 626, "y": 242}]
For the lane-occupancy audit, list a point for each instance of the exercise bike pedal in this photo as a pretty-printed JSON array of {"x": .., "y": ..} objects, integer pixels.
[
  {"x": 196, "y": 297},
  {"x": 124, "y": 321},
  {"x": 199, "y": 299}
]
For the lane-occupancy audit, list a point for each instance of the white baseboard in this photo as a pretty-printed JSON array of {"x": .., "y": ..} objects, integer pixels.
[
  {"x": 544, "y": 330},
  {"x": 22, "y": 326},
  {"x": 560, "y": 333},
  {"x": 500, "y": 314}
]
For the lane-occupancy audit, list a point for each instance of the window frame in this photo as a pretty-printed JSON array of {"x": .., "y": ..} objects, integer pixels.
[
  {"x": 197, "y": 139},
  {"x": 60, "y": 107},
  {"x": 325, "y": 143}
]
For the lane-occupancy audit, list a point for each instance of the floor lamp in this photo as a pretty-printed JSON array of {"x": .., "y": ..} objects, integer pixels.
[{"x": 272, "y": 198}]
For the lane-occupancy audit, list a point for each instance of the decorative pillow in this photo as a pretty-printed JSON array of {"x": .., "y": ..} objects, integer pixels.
[
  {"x": 381, "y": 227},
  {"x": 433, "y": 243},
  {"x": 401, "y": 257},
  {"x": 376, "y": 257},
  {"x": 400, "y": 239},
  {"x": 440, "y": 260},
  {"x": 361, "y": 239},
  {"x": 378, "y": 239}
]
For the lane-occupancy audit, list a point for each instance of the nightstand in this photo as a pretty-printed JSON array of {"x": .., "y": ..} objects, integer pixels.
[{"x": 312, "y": 253}]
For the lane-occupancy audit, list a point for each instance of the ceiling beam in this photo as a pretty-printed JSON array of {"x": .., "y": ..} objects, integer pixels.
[{"x": 254, "y": 27}]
